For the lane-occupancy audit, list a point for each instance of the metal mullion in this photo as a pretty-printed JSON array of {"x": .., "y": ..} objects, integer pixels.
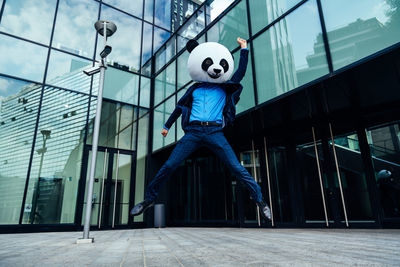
[
  {"x": 269, "y": 182},
  {"x": 272, "y": 23},
  {"x": 21, "y": 79},
  {"x": 2, "y": 9},
  {"x": 115, "y": 189},
  {"x": 253, "y": 157},
  {"x": 72, "y": 54},
  {"x": 252, "y": 54},
  {"x": 338, "y": 176},
  {"x": 325, "y": 36},
  {"x": 37, "y": 119},
  {"x": 122, "y": 11},
  {"x": 176, "y": 87},
  {"x": 320, "y": 177},
  {"x": 27, "y": 40}
]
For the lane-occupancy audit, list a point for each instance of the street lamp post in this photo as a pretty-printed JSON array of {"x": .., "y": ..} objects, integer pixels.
[{"x": 106, "y": 29}]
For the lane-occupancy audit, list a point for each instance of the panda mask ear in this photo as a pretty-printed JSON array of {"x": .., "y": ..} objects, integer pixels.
[{"x": 191, "y": 44}]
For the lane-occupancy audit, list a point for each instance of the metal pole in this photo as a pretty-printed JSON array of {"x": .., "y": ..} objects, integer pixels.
[
  {"x": 320, "y": 177},
  {"x": 339, "y": 177},
  {"x": 86, "y": 227},
  {"x": 253, "y": 156},
  {"x": 269, "y": 183}
]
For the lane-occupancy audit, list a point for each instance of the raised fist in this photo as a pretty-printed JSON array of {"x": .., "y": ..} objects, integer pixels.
[{"x": 242, "y": 42}]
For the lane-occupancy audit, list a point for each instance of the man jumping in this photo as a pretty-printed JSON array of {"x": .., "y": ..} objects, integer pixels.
[{"x": 206, "y": 107}]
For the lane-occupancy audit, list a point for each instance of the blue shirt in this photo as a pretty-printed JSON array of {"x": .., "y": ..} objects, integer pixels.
[
  {"x": 209, "y": 98},
  {"x": 208, "y": 103}
]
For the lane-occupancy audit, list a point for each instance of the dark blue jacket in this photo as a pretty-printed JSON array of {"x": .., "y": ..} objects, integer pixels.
[{"x": 233, "y": 88}]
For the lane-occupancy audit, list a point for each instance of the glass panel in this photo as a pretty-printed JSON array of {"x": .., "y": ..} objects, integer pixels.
[
  {"x": 74, "y": 31},
  {"x": 141, "y": 162},
  {"x": 128, "y": 115},
  {"x": 67, "y": 71},
  {"x": 55, "y": 173},
  {"x": 19, "y": 102},
  {"x": 25, "y": 19},
  {"x": 250, "y": 160},
  {"x": 247, "y": 96},
  {"x": 178, "y": 124},
  {"x": 190, "y": 29},
  {"x": 126, "y": 50},
  {"x": 160, "y": 36},
  {"x": 135, "y": 8},
  {"x": 306, "y": 161},
  {"x": 148, "y": 10},
  {"x": 164, "y": 84},
  {"x": 265, "y": 11},
  {"x": 121, "y": 86},
  {"x": 282, "y": 54},
  {"x": 145, "y": 92},
  {"x": 281, "y": 197},
  {"x": 216, "y": 7},
  {"x": 120, "y": 189},
  {"x": 99, "y": 187},
  {"x": 230, "y": 27},
  {"x": 22, "y": 59},
  {"x": 363, "y": 28},
  {"x": 169, "y": 108},
  {"x": 352, "y": 174},
  {"x": 146, "y": 70},
  {"x": 384, "y": 143},
  {"x": 161, "y": 115},
  {"x": 147, "y": 42},
  {"x": 158, "y": 139},
  {"x": 162, "y": 16},
  {"x": 117, "y": 129},
  {"x": 183, "y": 72}
]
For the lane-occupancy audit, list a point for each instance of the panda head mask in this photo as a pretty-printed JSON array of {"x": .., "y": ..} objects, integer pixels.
[{"x": 209, "y": 62}]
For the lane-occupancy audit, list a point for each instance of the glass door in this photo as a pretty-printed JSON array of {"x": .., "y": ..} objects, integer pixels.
[
  {"x": 310, "y": 163},
  {"x": 350, "y": 179},
  {"x": 384, "y": 146},
  {"x": 251, "y": 161},
  {"x": 111, "y": 188}
]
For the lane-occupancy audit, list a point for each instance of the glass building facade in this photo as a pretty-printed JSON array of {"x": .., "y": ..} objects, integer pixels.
[{"x": 317, "y": 123}]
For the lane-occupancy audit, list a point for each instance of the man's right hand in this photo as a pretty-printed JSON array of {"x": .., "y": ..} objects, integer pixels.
[{"x": 164, "y": 132}]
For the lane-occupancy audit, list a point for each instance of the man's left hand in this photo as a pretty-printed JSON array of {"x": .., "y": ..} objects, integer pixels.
[{"x": 242, "y": 42}]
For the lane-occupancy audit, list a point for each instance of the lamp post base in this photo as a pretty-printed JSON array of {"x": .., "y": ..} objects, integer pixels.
[{"x": 85, "y": 240}]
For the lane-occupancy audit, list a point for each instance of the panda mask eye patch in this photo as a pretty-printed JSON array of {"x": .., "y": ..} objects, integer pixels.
[{"x": 207, "y": 63}]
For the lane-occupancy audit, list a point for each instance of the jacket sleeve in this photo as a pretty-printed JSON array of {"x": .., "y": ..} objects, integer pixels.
[
  {"x": 173, "y": 117},
  {"x": 241, "y": 71}
]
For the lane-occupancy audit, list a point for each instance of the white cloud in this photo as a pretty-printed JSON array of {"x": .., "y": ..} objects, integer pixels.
[
  {"x": 379, "y": 11},
  {"x": 29, "y": 19},
  {"x": 4, "y": 86}
]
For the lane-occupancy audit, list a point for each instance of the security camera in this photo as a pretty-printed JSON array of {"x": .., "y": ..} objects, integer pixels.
[
  {"x": 106, "y": 51},
  {"x": 111, "y": 28},
  {"x": 91, "y": 71}
]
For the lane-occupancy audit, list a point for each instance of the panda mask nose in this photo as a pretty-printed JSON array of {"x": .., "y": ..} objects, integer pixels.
[{"x": 217, "y": 71}]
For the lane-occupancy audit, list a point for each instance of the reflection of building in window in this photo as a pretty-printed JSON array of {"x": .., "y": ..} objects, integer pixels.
[
  {"x": 182, "y": 10},
  {"x": 63, "y": 113},
  {"x": 347, "y": 44}
]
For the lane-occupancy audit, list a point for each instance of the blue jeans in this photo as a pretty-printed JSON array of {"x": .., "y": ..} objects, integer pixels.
[{"x": 213, "y": 138}]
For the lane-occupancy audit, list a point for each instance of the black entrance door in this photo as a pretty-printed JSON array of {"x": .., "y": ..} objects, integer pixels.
[{"x": 112, "y": 186}]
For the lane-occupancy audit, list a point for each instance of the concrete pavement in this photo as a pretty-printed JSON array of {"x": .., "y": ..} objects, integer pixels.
[{"x": 205, "y": 247}]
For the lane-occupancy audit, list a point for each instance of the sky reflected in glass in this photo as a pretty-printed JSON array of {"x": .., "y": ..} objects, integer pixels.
[
  {"x": 162, "y": 16},
  {"x": 74, "y": 30},
  {"x": 22, "y": 59},
  {"x": 129, "y": 6},
  {"x": 125, "y": 41},
  {"x": 29, "y": 19}
]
